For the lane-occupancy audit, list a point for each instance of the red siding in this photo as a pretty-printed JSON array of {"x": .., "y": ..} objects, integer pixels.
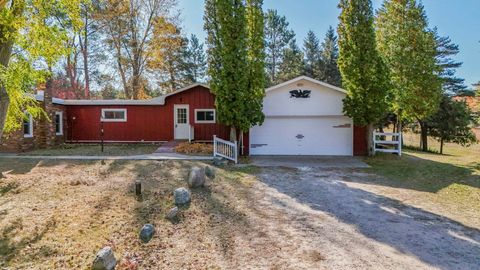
[
  {"x": 360, "y": 141},
  {"x": 144, "y": 123}
]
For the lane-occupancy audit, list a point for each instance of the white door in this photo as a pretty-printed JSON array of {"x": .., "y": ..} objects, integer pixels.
[
  {"x": 181, "y": 121},
  {"x": 331, "y": 136}
]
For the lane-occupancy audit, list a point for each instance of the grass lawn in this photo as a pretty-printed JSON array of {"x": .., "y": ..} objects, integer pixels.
[
  {"x": 95, "y": 150},
  {"x": 57, "y": 215},
  {"x": 450, "y": 182}
]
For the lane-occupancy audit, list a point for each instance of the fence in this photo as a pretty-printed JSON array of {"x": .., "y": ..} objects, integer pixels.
[
  {"x": 225, "y": 149},
  {"x": 380, "y": 144}
]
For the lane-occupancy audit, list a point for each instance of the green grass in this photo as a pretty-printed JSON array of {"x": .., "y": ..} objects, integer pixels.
[
  {"x": 453, "y": 177},
  {"x": 95, "y": 150}
]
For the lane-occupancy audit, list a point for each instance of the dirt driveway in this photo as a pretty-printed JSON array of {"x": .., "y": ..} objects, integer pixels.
[{"x": 350, "y": 225}]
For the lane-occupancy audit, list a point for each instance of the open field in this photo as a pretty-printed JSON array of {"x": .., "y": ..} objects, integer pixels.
[{"x": 95, "y": 150}]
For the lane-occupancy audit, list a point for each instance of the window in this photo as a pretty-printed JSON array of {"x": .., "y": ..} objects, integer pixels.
[
  {"x": 58, "y": 123},
  {"x": 205, "y": 116},
  {"x": 28, "y": 126},
  {"x": 114, "y": 115},
  {"x": 181, "y": 116}
]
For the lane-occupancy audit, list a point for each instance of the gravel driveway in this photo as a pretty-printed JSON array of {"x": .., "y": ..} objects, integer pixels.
[{"x": 348, "y": 226}]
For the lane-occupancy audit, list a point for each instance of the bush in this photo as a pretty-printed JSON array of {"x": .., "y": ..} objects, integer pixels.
[{"x": 195, "y": 148}]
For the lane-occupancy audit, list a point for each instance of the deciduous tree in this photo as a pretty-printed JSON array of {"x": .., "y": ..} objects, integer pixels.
[{"x": 364, "y": 74}]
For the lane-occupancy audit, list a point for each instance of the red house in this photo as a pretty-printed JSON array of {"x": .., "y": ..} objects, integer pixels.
[{"x": 302, "y": 117}]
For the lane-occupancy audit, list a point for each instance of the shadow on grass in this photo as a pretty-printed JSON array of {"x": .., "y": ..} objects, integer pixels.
[
  {"x": 436, "y": 240},
  {"x": 11, "y": 245},
  {"x": 415, "y": 173}
]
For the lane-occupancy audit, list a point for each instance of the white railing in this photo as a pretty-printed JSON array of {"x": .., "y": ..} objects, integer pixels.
[
  {"x": 225, "y": 149},
  {"x": 379, "y": 144}
]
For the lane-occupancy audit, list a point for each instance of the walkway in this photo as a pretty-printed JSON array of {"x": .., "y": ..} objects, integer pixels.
[{"x": 154, "y": 156}]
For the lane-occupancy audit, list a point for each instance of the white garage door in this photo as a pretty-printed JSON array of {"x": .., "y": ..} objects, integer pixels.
[{"x": 303, "y": 136}]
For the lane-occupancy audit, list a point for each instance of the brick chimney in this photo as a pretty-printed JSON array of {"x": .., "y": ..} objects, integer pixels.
[{"x": 46, "y": 127}]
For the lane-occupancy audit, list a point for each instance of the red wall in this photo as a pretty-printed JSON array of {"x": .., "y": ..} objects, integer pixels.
[
  {"x": 360, "y": 141},
  {"x": 147, "y": 123}
]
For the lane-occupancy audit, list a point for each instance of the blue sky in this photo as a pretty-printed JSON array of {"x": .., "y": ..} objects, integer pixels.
[{"x": 457, "y": 19}]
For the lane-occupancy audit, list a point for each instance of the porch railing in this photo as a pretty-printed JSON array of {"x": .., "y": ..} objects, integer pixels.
[{"x": 225, "y": 149}]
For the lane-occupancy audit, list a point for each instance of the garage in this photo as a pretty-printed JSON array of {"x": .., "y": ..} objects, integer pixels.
[{"x": 303, "y": 117}]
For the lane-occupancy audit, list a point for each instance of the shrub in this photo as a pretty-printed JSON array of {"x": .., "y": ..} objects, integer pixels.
[{"x": 194, "y": 148}]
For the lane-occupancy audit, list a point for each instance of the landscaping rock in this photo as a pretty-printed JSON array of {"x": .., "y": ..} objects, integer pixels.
[
  {"x": 181, "y": 196},
  {"x": 146, "y": 233},
  {"x": 105, "y": 260},
  {"x": 196, "y": 177},
  {"x": 172, "y": 214},
  {"x": 218, "y": 161},
  {"x": 210, "y": 172}
]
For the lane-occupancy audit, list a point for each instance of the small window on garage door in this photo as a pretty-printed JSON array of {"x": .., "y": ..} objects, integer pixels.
[{"x": 203, "y": 116}]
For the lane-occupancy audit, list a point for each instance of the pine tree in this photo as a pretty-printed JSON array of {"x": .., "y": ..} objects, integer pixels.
[
  {"x": 277, "y": 38},
  {"x": 329, "y": 58},
  {"x": 410, "y": 51},
  {"x": 195, "y": 63},
  {"x": 313, "y": 61},
  {"x": 292, "y": 64},
  {"x": 363, "y": 71},
  {"x": 235, "y": 55},
  {"x": 446, "y": 49}
]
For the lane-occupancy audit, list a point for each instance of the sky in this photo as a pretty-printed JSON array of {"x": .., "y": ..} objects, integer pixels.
[{"x": 458, "y": 19}]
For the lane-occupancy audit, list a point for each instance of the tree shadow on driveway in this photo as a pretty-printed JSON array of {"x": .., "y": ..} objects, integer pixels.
[{"x": 435, "y": 240}]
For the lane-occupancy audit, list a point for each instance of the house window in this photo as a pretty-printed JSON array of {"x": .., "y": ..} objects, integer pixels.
[
  {"x": 28, "y": 126},
  {"x": 204, "y": 116},
  {"x": 59, "y": 123},
  {"x": 114, "y": 115},
  {"x": 181, "y": 116}
]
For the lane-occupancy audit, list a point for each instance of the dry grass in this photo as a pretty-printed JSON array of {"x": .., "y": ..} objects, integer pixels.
[
  {"x": 194, "y": 148},
  {"x": 57, "y": 215},
  {"x": 95, "y": 150}
]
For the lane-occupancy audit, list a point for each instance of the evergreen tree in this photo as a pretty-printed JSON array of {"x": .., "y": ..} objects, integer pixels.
[
  {"x": 410, "y": 51},
  {"x": 452, "y": 123},
  {"x": 292, "y": 64},
  {"x": 234, "y": 56},
  {"x": 446, "y": 49},
  {"x": 195, "y": 63},
  {"x": 313, "y": 61},
  {"x": 365, "y": 76},
  {"x": 329, "y": 58},
  {"x": 277, "y": 38}
]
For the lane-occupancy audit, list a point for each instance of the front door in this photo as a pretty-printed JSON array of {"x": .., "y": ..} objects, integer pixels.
[{"x": 182, "y": 125}]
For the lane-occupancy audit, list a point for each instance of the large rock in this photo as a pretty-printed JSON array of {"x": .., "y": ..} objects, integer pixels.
[
  {"x": 105, "y": 260},
  {"x": 210, "y": 172},
  {"x": 146, "y": 233},
  {"x": 181, "y": 196},
  {"x": 172, "y": 214},
  {"x": 196, "y": 177}
]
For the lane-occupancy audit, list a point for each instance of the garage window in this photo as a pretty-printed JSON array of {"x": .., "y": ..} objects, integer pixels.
[
  {"x": 114, "y": 115},
  {"x": 205, "y": 116}
]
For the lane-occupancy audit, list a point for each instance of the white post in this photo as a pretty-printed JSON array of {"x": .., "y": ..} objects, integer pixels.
[
  {"x": 400, "y": 144},
  {"x": 236, "y": 152},
  {"x": 214, "y": 145}
]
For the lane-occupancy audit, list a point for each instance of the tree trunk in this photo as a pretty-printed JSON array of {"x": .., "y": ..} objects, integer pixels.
[
  {"x": 5, "y": 54},
  {"x": 423, "y": 136},
  {"x": 369, "y": 138},
  {"x": 441, "y": 146},
  {"x": 84, "y": 48},
  {"x": 233, "y": 133}
]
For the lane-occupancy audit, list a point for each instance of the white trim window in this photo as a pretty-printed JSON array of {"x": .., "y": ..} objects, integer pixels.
[
  {"x": 205, "y": 116},
  {"x": 28, "y": 126},
  {"x": 59, "y": 123},
  {"x": 114, "y": 115}
]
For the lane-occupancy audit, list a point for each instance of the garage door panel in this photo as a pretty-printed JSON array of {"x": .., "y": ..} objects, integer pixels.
[{"x": 302, "y": 136}]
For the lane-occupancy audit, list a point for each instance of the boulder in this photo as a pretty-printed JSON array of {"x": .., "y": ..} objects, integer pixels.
[
  {"x": 196, "y": 177},
  {"x": 210, "y": 172},
  {"x": 105, "y": 260},
  {"x": 181, "y": 196},
  {"x": 146, "y": 233},
  {"x": 218, "y": 161},
  {"x": 172, "y": 214}
]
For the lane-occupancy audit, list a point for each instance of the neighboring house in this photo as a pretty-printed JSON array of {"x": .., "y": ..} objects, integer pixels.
[
  {"x": 474, "y": 104},
  {"x": 39, "y": 133},
  {"x": 303, "y": 117}
]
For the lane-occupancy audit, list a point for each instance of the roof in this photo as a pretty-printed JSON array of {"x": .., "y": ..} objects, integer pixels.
[
  {"x": 332, "y": 87},
  {"x": 40, "y": 97},
  {"x": 147, "y": 102}
]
